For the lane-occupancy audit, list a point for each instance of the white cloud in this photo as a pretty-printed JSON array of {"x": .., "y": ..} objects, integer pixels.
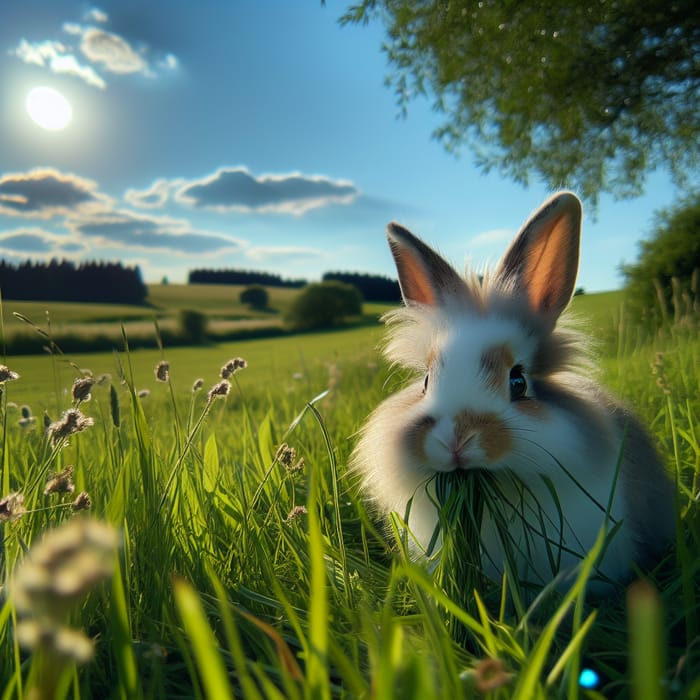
[
  {"x": 259, "y": 253},
  {"x": 97, "y": 15},
  {"x": 492, "y": 237},
  {"x": 37, "y": 243},
  {"x": 55, "y": 56},
  {"x": 236, "y": 189},
  {"x": 46, "y": 193},
  {"x": 155, "y": 197},
  {"x": 169, "y": 61},
  {"x": 111, "y": 50}
]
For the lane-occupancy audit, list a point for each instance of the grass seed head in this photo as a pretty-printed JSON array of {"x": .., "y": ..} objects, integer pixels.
[
  {"x": 72, "y": 421},
  {"x": 219, "y": 390},
  {"x": 82, "y": 502},
  {"x": 295, "y": 513},
  {"x": 287, "y": 457},
  {"x": 7, "y": 375},
  {"x": 57, "y": 574},
  {"x": 490, "y": 674},
  {"x": 27, "y": 420},
  {"x": 232, "y": 366},
  {"x": 162, "y": 371},
  {"x": 198, "y": 384},
  {"x": 144, "y": 393},
  {"x": 12, "y": 507},
  {"x": 61, "y": 482},
  {"x": 82, "y": 388}
]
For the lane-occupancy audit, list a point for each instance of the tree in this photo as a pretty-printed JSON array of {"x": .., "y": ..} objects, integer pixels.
[
  {"x": 592, "y": 95},
  {"x": 666, "y": 274},
  {"x": 323, "y": 305},
  {"x": 255, "y": 296}
]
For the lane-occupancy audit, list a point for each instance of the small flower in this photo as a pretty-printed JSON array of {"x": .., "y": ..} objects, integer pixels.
[
  {"x": 61, "y": 482},
  {"x": 490, "y": 674},
  {"x": 82, "y": 502},
  {"x": 287, "y": 457},
  {"x": 12, "y": 507},
  {"x": 143, "y": 393},
  {"x": 198, "y": 384},
  {"x": 82, "y": 388},
  {"x": 162, "y": 371},
  {"x": 232, "y": 366},
  {"x": 7, "y": 375},
  {"x": 220, "y": 389},
  {"x": 72, "y": 421},
  {"x": 295, "y": 513}
]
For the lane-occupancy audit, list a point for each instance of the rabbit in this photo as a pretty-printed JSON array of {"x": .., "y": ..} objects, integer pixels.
[{"x": 503, "y": 387}]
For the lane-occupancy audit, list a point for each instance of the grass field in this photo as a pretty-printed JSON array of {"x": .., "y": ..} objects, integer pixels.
[{"x": 243, "y": 571}]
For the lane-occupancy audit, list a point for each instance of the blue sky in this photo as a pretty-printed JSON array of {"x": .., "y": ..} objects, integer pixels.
[{"x": 254, "y": 134}]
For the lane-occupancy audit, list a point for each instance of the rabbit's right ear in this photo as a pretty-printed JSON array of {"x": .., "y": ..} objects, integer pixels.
[{"x": 424, "y": 277}]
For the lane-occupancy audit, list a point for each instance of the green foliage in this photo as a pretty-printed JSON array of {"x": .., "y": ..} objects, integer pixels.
[
  {"x": 242, "y": 572},
  {"x": 324, "y": 305},
  {"x": 664, "y": 283},
  {"x": 193, "y": 325},
  {"x": 255, "y": 296},
  {"x": 593, "y": 96}
]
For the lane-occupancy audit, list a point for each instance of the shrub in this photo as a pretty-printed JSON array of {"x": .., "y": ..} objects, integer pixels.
[
  {"x": 193, "y": 325},
  {"x": 664, "y": 279},
  {"x": 323, "y": 305},
  {"x": 255, "y": 296}
]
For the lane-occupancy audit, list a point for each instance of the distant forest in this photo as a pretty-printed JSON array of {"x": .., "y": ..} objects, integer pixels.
[
  {"x": 372, "y": 287},
  {"x": 101, "y": 282},
  {"x": 246, "y": 277}
]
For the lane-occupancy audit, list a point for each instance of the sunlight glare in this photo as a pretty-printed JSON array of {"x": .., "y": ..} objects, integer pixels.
[{"x": 48, "y": 108}]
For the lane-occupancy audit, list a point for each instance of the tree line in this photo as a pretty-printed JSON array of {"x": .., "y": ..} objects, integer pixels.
[
  {"x": 106, "y": 282},
  {"x": 372, "y": 287},
  {"x": 246, "y": 277}
]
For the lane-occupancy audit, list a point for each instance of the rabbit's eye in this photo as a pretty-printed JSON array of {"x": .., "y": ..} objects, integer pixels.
[
  {"x": 518, "y": 384},
  {"x": 425, "y": 383}
]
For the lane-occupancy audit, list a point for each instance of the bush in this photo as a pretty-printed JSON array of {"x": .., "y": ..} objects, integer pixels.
[
  {"x": 664, "y": 280},
  {"x": 255, "y": 296},
  {"x": 323, "y": 305},
  {"x": 193, "y": 325}
]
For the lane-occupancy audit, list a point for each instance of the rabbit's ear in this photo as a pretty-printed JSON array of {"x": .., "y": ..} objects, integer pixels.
[
  {"x": 542, "y": 261},
  {"x": 424, "y": 277}
]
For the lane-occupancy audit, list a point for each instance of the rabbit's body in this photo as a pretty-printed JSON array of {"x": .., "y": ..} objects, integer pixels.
[{"x": 506, "y": 391}]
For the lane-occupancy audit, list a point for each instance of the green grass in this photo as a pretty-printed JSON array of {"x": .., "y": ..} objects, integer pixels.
[{"x": 223, "y": 585}]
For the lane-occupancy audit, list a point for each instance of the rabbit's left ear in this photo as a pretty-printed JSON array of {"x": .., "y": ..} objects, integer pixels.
[{"x": 542, "y": 261}]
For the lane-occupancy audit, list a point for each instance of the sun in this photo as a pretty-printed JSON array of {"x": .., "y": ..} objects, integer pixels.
[{"x": 48, "y": 108}]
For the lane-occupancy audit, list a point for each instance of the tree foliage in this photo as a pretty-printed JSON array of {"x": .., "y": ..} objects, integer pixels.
[
  {"x": 589, "y": 95},
  {"x": 665, "y": 278},
  {"x": 255, "y": 296},
  {"x": 323, "y": 305},
  {"x": 100, "y": 282}
]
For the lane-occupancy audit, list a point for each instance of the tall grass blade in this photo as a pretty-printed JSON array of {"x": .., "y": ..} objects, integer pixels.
[{"x": 210, "y": 665}]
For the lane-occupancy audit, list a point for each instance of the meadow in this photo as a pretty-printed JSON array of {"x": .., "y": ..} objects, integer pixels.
[{"x": 239, "y": 560}]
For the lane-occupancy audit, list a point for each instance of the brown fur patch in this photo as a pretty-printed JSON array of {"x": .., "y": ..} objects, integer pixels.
[
  {"x": 495, "y": 365},
  {"x": 530, "y": 407},
  {"x": 494, "y": 439},
  {"x": 415, "y": 435}
]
